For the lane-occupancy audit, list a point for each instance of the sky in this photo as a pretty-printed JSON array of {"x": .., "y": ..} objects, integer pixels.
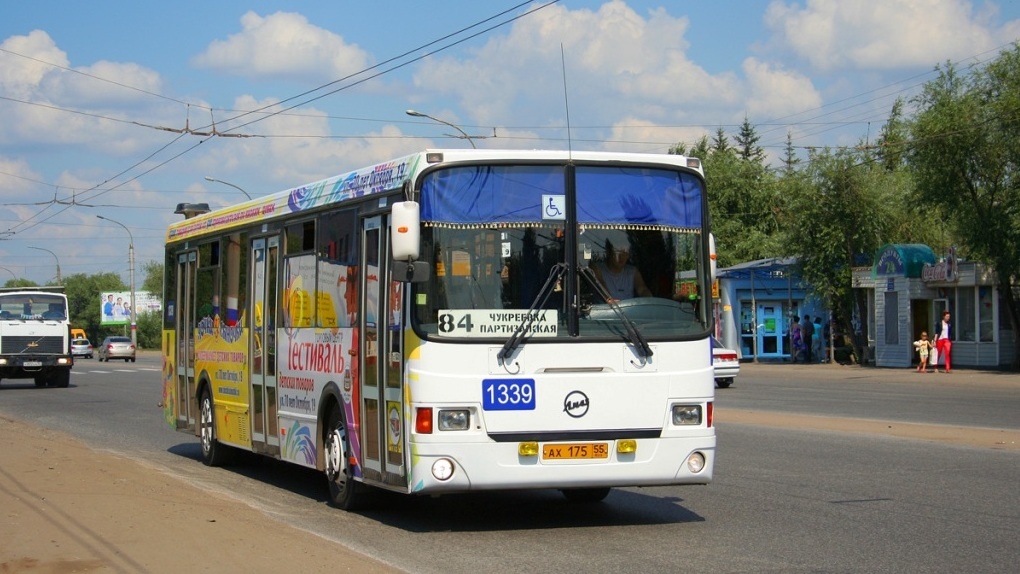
[{"x": 124, "y": 109}]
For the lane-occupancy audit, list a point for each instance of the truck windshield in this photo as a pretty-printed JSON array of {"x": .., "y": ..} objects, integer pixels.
[
  {"x": 494, "y": 234},
  {"x": 22, "y": 306}
]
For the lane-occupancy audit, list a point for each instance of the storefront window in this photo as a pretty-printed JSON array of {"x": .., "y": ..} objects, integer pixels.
[
  {"x": 986, "y": 323},
  {"x": 892, "y": 318},
  {"x": 965, "y": 315}
]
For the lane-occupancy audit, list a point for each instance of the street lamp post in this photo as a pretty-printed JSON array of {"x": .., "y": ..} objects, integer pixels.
[
  {"x": 131, "y": 262},
  {"x": 13, "y": 276},
  {"x": 213, "y": 179},
  {"x": 462, "y": 132},
  {"x": 54, "y": 257}
]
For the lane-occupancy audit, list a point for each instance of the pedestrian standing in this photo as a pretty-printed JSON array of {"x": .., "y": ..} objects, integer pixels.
[
  {"x": 796, "y": 339},
  {"x": 923, "y": 346},
  {"x": 808, "y": 332},
  {"x": 943, "y": 340}
]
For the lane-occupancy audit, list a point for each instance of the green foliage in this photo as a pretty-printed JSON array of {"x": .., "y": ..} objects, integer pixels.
[
  {"x": 153, "y": 278},
  {"x": 150, "y": 330},
  {"x": 965, "y": 157},
  {"x": 84, "y": 304},
  {"x": 18, "y": 283}
]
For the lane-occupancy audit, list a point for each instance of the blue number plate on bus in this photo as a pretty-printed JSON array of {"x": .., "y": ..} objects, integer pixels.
[{"x": 508, "y": 394}]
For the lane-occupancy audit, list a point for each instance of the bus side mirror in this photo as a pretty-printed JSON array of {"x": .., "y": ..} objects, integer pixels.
[
  {"x": 405, "y": 230},
  {"x": 712, "y": 257},
  {"x": 405, "y": 239}
]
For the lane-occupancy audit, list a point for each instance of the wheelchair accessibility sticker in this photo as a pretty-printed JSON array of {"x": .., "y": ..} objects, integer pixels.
[{"x": 554, "y": 207}]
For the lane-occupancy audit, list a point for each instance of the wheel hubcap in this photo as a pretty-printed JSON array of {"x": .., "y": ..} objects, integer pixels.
[
  {"x": 207, "y": 427},
  {"x": 336, "y": 459}
]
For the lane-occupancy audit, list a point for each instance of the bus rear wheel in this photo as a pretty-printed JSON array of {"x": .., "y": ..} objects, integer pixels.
[
  {"x": 213, "y": 453},
  {"x": 344, "y": 492},
  {"x": 585, "y": 494}
]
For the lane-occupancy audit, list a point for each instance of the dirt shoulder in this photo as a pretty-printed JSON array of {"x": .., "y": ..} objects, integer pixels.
[{"x": 67, "y": 508}]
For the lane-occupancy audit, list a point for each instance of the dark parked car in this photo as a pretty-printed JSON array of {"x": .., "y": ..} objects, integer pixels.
[
  {"x": 117, "y": 348},
  {"x": 81, "y": 348}
]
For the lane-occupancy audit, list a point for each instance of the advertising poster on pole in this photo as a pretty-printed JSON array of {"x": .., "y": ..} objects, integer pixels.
[{"x": 115, "y": 306}]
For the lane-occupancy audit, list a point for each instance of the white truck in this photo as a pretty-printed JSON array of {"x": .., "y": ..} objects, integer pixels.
[{"x": 35, "y": 336}]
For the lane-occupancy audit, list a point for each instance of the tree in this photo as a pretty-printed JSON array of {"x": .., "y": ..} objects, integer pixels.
[
  {"x": 965, "y": 157},
  {"x": 747, "y": 143},
  {"x": 835, "y": 211},
  {"x": 153, "y": 282},
  {"x": 719, "y": 143},
  {"x": 790, "y": 159},
  {"x": 83, "y": 300}
]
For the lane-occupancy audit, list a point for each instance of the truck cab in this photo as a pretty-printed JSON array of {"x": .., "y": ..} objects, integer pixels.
[{"x": 35, "y": 336}]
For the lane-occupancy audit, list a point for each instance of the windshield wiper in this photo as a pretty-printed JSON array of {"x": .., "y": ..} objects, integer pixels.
[
  {"x": 633, "y": 333},
  {"x": 543, "y": 295}
]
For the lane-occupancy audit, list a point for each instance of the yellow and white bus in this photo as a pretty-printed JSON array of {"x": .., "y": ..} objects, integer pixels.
[{"x": 437, "y": 324}]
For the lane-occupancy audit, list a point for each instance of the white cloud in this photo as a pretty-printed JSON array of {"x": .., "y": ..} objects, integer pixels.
[
  {"x": 285, "y": 160},
  {"x": 617, "y": 63},
  {"x": 284, "y": 45},
  {"x": 836, "y": 34},
  {"x": 776, "y": 92}
]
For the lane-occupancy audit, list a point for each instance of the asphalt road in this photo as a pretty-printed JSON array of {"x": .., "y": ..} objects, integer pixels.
[{"x": 784, "y": 499}]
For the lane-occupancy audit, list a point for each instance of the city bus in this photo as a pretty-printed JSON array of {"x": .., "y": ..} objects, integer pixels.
[{"x": 435, "y": 324}]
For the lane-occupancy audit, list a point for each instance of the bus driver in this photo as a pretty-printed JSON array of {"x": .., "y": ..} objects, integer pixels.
[{"x": 621, "y": 279}]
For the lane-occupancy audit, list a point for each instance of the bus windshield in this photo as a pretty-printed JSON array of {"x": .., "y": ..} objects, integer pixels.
[{"x": 603, "y": 236}]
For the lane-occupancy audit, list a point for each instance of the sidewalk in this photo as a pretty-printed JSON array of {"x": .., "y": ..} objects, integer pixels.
[
  {"x": 836, "y": 371},
  {"x": 67, "y": 508}
]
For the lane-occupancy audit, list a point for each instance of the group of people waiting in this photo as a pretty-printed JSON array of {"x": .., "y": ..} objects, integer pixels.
[{"x": 807, "y": 339}]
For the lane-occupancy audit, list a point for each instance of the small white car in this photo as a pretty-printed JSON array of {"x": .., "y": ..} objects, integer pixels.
[
  {"x": 81, "y": 348},
  {"x": 726, "y": 363}
]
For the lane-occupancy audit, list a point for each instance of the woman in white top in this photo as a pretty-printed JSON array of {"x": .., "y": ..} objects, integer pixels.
[
  {"x": 621, "y": 279},
  {"x": 943, "y": 341}
]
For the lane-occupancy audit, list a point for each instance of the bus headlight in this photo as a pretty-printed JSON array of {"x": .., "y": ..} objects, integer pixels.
[
  {"x": 687, "y": 415},
  {"x": 454, "y": 420}
]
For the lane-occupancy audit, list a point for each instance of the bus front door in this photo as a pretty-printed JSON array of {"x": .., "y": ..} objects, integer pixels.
[
  {"x": 381, "y": 359},
  {"x": 184, "y": 324},
  {"x": 264, "y": 257}
]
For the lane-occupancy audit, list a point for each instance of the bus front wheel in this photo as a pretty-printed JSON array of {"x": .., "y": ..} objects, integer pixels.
[{"x": 344, "y": 491}]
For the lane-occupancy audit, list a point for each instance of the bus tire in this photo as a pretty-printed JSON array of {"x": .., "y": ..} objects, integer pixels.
[
  {"x": 213, "y": 453},
  {"x": 344, "y": 492},
  {"x": 586, "y": 494}
]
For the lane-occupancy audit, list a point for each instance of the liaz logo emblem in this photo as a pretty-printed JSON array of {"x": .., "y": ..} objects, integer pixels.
[{"x": 575, "y": 404}]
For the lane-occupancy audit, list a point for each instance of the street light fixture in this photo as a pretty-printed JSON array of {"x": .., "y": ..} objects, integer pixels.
[
  {"x": 131, "y": 262},
  {"x": 13, "y": 276},
  {"x": 213, "y": 179},
  {"x": 462, "y": 132},
  {"x": 54, "y": 257}
]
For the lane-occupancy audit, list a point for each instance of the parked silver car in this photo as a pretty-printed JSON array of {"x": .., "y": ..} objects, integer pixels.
[
  {"x": 81, "y": 348},
  {"x": 116, "y": 348}
]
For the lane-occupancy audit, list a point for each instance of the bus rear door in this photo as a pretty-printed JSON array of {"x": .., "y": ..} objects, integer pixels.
[{"x": 264, "y": 257}]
